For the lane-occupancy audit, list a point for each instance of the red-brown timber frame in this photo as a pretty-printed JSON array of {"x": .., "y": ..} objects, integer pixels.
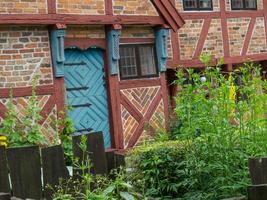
[
  {"x": 56, "y": 90},
  {"x": 223, "y": 14}
]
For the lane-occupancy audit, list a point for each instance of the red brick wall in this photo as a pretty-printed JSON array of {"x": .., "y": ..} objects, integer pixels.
[
  {"x": 141, "y": 99},
  {"x": 24, "y": 53},
  {"x": 209, "y": 38},
  {"x": 85, "y": 32},
  {"x": 23, "y": 6},
  {"x": 134, "y": 7},
  {"x": 137, "y": 32},
  {"x": 81, "y": 7}
]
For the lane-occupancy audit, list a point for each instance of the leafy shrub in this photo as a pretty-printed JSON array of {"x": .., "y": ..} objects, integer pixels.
[
  {"x": 65, "y": 129},
  {"x": 23, "y": 130},
  {"x": 94, "y": 187},
  {"x": 158, "y": 169},
  {"x": 225, "y": 123}
]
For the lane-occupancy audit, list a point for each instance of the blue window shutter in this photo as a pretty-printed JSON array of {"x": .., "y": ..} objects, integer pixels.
[
  {"x": 162, "y": 48},
  {"x": 113, "y": 37},
  {"x": 57, "y": 47}
]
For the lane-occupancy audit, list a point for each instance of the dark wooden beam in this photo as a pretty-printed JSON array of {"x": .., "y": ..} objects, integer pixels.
[
  {"x": 50, "y": 104},
  {"x": 130, "y": 108},
  {"x": 248, "y": 36},
  {"x": 50, "y": 19},
  {"x": 126, "y": 84},
  {"x": 51, "y": 7},
  {"x": 227, "y": 60},
  {"x": 26, "y": 91},
  {"x": 108, "y": 7},
  {"x": 202, "y": 37}
]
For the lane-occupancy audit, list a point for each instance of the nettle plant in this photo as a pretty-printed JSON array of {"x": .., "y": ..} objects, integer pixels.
[
  {"x": 224, "y": 115},
  {"x": 23, "y": 130},
  {"x": 86, "y": 185}
]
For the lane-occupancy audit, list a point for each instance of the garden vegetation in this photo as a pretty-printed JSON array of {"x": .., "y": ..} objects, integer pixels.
[{"x": 220, "y": 123}]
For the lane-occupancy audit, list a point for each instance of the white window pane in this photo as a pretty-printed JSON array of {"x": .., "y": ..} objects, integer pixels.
[
  {"x": 237, "y": 4},
  {"x": 250, "y": 3},
  {"x": 128, "y": 67},
  {"x": 205, "y": 4},
  {"x": 147, "y": 60},
  {"x": 190, "y": 4}
]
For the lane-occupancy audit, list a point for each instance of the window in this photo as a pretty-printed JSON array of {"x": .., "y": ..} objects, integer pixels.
[
  {"x": 197, "y": 4},
  {"x": 244, "y": 4},
  {"x": 137, "y": 61}
]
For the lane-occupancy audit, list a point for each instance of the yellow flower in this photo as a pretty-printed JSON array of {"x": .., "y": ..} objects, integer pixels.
[
  {"x": 232, "y": 96},
  {"x": 3, "y": 141},
  {"x": 232, "y": 93}
]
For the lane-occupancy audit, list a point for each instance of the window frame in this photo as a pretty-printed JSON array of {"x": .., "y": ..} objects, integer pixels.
[
  {"x": 244, "y": 6},
  {"x": 198, "y": 7},
  {"x": 138, "y": 61}
]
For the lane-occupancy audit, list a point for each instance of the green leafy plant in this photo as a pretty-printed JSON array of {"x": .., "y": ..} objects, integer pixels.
[
  {"x": 224, "y": 124},
  {"x": 225, "y": 129},
  {"x": 157, "y": 169},
  {"x": 23, "y": 130},
  {"x": 94, "y": 187},
  {"x": 65, "y": 129}
]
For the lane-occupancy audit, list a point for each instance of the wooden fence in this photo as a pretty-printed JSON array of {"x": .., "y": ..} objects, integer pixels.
[{"x": 25, "y": 171}]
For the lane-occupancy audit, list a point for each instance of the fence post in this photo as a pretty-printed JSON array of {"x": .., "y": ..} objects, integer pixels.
[
  {"x": 95, "y": 152},
  {"x": 4, "y": 181},
  {"x": 5, "y": 196},
  {"x": 258, "y": 170},
  {"x": 54, "y": 168},
  {"x": 25, "y": 172},
  {"x": 258, "y": 174}
]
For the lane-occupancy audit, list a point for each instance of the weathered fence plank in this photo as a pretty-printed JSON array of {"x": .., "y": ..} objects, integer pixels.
[
  {"x": 5, "y": 196},
  {"x": 25, "y": 172},
  {"x": 120, "y": 160},
  {"x": 95, "y": 151},
  {"x": 257, "y": 192},
  {"x": 111, "y": 163},
  {"x": 4, "y": 182},
  {"x": 258, "y": 170},
  {"x": 54, "y": 168},
  {"x": 114, "y": 160}
]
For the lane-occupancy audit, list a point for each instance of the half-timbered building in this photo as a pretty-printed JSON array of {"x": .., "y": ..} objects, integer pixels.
[{"x": 111, "y": 61}]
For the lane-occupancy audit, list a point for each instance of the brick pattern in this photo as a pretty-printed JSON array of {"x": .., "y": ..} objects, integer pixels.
[
  {"x": 134, "y": 7},
  {"x": 141, "y": 97},
  {"x": 85, "y": 32},
  {"x": 144, "y": 138},
  {"x": 49, "y": 126},
  {"x": 129, "y": 125},
  {"x": 214, "y": 42},
  {"x": 258, "y": 41},
  {"x": 81, "y": 7},
  {"x": 170, "y": 50},
  {"x": 137, "y": 32},
  {"x": 237, "y": 30},
  {"x": 188, "y": 37},
  {"x": 23, "y": 6},
  {"x": 157, "y": 121},
  {"x": 21, "y": 103},
  {"x": 179, "y": 5},
  {"x": 24, "y": 53}
]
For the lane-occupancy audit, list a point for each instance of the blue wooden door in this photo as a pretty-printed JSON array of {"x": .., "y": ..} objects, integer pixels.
[{"x": 86, "y": 91}]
